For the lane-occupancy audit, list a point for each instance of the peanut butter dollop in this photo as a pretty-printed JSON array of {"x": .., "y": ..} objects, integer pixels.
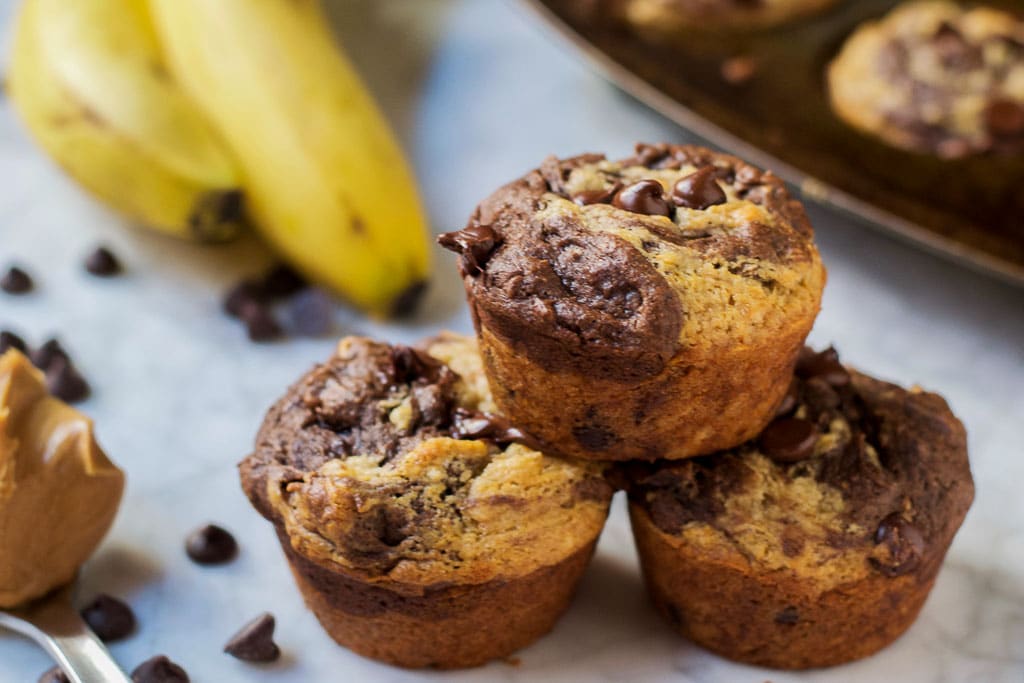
[{"x": 58, "y": 491}]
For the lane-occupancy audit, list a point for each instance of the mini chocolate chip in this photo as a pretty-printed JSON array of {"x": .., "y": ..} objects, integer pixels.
[
  {"x": 905, "y": 545},
  {"x": 788, "y": 439},
  {"x": 310, "y": 313},
  {"x": 54, "y": 675},
  {"x": 255, "y": 641},
  {"x": 260, "y": 323},
  {"x": 645, "y": 196},
  {"x": 102, "y": 263},
  {"x": 475, "y": 243},
  {"x": 109, "y": 618},
  {"x": 1005, "y": 118},
  {"x": 788, "y": 616},
  {"x": 242, "y": 295},
  {"x": 790, "y": 400},
  {"x": 9, "y": 340},
  {"x": 44, "y": 356},
  {"x": 211, "y": 544},
  {"x": 65, "y": 382},
  {"x": 159, "y": 670},
  {"x": 699, "y": 190},
  {"x": 16, "y": 281},
  {"x": 281, "y": 281},
  {"x": 825, "y": 365},
  {"x": 602, "y": 196}
]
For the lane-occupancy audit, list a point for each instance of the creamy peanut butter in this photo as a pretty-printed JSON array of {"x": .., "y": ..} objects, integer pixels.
[{"x": 58, "y": 491}]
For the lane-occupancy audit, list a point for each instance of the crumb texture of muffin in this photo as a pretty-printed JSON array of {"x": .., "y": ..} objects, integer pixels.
[
  {"x": 935, "y": 77},
  {"x": 662, "y": 17},
  {"x": 818, "y": 542},
  {"x": 59, "y": 493},
  {"x": 422, "y": 528},
  {"x": 651, "y": 307}
]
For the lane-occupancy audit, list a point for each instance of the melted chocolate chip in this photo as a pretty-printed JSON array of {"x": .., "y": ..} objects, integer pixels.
[
  {"x": 411, "y": 364},
  {"x": 109, "y": 618},
  {"x": 1005, "y": 118},
  {"x": 905, "y": 545},
  {"x": 825, "y": 365},
  {"x": 211, "y": 544},
  {"x": 65, "y": 382},
  {"x": 603, "y": 196},
  {"x": 255, "y": 641},
  {"x": 54, "y": 675},
  {"x": 789, "y": 439},
  {"x": 645, "y": 196},
  {"x": 475, "y": 243},
  {"x": 102, "y": 263},
  {"x": 16, "y": 281},
  {"x": 699, "y": 190},
  {"x": 468, "y": 424},
  {"x": 9, "y": 340},
  {"x": 159, "y": 670}
]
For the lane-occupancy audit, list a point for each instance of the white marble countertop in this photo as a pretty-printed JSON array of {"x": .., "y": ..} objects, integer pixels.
[{"x": 480, "y": 93}]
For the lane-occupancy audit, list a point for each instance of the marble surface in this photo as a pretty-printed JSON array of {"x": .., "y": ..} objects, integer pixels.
[{"x": 480, "y": 93}]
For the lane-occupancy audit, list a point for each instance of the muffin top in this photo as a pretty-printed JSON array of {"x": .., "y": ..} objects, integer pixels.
[
  {"x": 614, "y": 267},
  {"x": 854, "y": 476},
  {"x": 937, "y": 78},
  {"x": 387, "y": 462}
]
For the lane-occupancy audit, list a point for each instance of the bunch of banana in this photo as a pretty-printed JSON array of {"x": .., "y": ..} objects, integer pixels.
[
  {"x": 89, "y": 79},
  {"x": 165, "y": 107}
]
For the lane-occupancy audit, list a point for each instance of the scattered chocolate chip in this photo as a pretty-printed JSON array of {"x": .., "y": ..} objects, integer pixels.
[
  {"x": 16, "y": 281},
  {"x": 242, "y": 295},
  {"x": 65, "y": 382},
  {"x": 54, "y": 675},
  {"x": 109, "y": 618},
  {"x": 699, "y": 190},
  {"x": 45, "y": 355},
  {"x": 310, "y": 313},
  {"x": 474, "y": 425},
  {"x": 644, "y": 196},
  {"x": 788, "y": 616},
  {"x": 825, "y": 365},
  {"x": 789, "y": 439},
  {"x": 903, "y": 541},
  {"x": 211, "y": 544},
  {"x": 602, "y": 196},
  {"x": 790, "y": 400},
  {"x": 475, "y": 243},
  {"x": 9, "y": 340},
  {"x": 159, "y": 670},
  {"x": 255, "y": 642},
  {"x": 281, "y": 281},
  {"x": 1005, "y": 118},
  {"x": 738, "y": 70},
  {"x": 102, "y": 263},
  {"x": 260, "y": 323}
]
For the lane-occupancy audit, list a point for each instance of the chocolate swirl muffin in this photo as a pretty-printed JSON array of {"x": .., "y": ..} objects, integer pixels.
[
  {"x": 669, "y": 17},
  {"x": 818, "y": 542},
  {"x": 646, "y": 308},
  {"x": 935, "y": 78},
  {"x": 422, "y": 529}
]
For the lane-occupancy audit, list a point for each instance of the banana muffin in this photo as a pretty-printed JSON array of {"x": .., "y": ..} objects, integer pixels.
[
  {"x": 936, "y": 78},
  {"x": 646, "y": 308},
  {"x": 669, "y": 17},
  {"x": 421, "y": 527},
  {"x": 818, "y": 542}
]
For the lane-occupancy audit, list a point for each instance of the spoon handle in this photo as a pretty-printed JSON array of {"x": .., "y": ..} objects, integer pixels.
[{"x": 56, "y": 627}]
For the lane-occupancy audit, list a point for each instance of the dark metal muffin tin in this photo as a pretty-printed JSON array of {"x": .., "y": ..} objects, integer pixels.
[{"x": 970, "y": 210}]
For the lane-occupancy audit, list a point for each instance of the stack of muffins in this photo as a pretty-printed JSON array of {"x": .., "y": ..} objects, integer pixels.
[{"x": 640, "y": 326}]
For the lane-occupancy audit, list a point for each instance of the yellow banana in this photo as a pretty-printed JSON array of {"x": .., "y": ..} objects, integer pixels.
[
  {"x": 89, "y": 80},
  {"x": 325, "y": 179}
]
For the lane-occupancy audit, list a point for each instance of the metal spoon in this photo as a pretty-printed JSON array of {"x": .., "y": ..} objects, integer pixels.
[{"x": 55, "y": 625}]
